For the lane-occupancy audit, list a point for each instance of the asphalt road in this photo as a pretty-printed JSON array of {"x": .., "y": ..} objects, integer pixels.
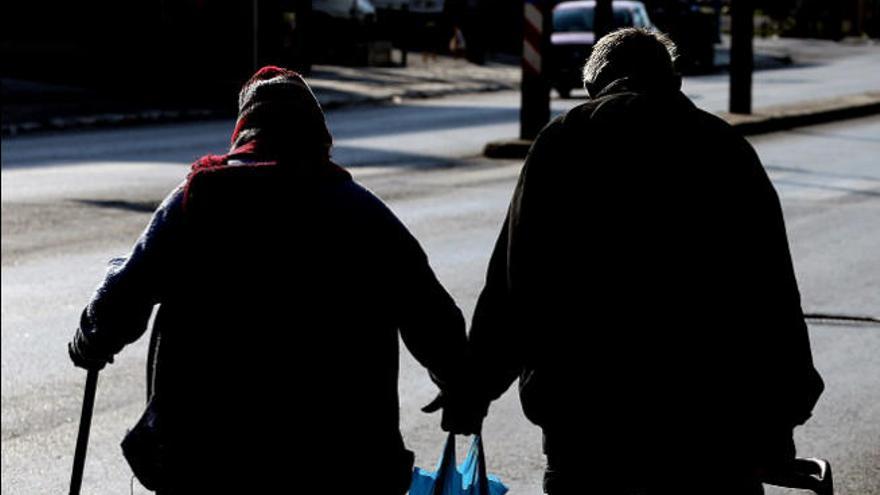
[{"x": 72, "y": 201}]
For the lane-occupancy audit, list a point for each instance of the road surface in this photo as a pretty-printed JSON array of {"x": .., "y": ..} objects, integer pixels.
[{"x": 72, "y": 201}]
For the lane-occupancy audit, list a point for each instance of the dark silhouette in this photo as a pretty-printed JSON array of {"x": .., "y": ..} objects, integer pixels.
[
  {"x": 281, "y": 286},
  {"x": 643, "y": 292}
]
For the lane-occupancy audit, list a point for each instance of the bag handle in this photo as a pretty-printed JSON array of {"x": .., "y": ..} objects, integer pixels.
[{"x": 448, "y": 463}]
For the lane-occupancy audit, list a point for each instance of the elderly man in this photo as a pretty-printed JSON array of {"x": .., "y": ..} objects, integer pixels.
[
  {"x": 643, "y": 292},
  {"x": 282, "y": 285}
]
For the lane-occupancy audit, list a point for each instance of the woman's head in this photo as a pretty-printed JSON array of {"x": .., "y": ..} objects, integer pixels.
[{"x": 277, "y": 109}]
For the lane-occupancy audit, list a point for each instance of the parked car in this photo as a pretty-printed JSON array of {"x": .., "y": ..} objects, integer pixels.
[
  {"x": 573, "y": 37},
  {"x": 359, "y": 11}
]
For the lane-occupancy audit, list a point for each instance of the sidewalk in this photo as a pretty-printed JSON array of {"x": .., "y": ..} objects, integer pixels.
[
  {"x": 34, "y": 107},
  {"x": 422, "y": 78}
]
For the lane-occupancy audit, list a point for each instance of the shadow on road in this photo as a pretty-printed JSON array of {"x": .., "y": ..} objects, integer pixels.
[{"x": 134, "y": 206}]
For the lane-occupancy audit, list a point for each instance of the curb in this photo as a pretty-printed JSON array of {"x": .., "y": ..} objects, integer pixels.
[
  {"x": 763, "y": 121},
  {"x": 781, "y": 117},
  {"x": 114, "y": 120},
  {"x": 507, "y": 149}
]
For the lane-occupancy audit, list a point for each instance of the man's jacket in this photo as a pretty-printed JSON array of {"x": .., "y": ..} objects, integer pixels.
[
  {"x": 281, "y": 299},
  {"x": 642, "y": 287}
]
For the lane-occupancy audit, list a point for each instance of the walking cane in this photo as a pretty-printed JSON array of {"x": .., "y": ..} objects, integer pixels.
[{"x": 82, "y": 439}]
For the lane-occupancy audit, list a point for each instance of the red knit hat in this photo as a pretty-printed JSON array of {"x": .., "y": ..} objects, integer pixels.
[{"x": 277, "y": 105}]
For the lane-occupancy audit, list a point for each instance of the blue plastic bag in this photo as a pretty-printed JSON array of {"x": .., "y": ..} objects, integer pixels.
[{"x": 468, "y": 479}]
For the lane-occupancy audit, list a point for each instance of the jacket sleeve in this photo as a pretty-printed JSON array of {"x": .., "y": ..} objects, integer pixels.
[
  {"x": 430, "y": 323},
  {"x": 790, "y": 384},
  {"x": 498, "y": 335},
  {"x": 121, "y": 306},
  {"x": 493, "y": 340}
]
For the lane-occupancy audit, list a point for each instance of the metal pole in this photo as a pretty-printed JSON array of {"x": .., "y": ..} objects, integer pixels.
[
  {"x": 305, "y": 35},
  {"x": 603, "y": 18},
  {"x": 82, "y": 439},
  {"x": 256, "y": 20},
  {"x": 741, "y": 55},
  {"x": 403, "y": 28}
]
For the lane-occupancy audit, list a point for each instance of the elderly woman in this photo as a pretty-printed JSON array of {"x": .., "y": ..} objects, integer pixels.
[{"x": 282, "y": 286}]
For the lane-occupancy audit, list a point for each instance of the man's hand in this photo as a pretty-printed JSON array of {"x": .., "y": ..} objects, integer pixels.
[
  {"x": 83, "y": 358},
  {"x": 462, "y": 413},
  {"x": 777, "y": 447}
]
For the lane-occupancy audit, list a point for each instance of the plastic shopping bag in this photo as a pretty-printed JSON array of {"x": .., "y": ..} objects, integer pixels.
[{"x": 468, "y": 479}]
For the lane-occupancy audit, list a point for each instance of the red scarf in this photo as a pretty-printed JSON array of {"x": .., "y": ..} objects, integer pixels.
[{"x": 253, "y": 155}]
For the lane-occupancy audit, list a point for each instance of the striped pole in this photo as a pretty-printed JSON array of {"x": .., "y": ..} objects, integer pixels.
[
  {"x": 533, "y": 38},
  {"x": 535, "y": 96}
]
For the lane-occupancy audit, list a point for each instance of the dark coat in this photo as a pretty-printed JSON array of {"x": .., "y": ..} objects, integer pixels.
[
  {"x": 642, "y": 288},
  {"x": 281, "y": 298}
]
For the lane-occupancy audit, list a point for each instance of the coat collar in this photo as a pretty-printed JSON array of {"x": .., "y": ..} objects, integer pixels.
[{"x": 645, "y": 88}]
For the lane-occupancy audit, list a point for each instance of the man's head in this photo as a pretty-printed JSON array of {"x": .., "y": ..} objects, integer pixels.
[
  {"x": 277, "y": 108},
  {"x": 645, "y": 57}
]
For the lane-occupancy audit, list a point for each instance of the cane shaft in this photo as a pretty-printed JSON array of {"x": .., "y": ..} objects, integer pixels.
[{"x": 82, "y": 439}]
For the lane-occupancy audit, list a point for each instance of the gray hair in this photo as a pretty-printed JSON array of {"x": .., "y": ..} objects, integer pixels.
[{"x": 631, "y": 52}]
